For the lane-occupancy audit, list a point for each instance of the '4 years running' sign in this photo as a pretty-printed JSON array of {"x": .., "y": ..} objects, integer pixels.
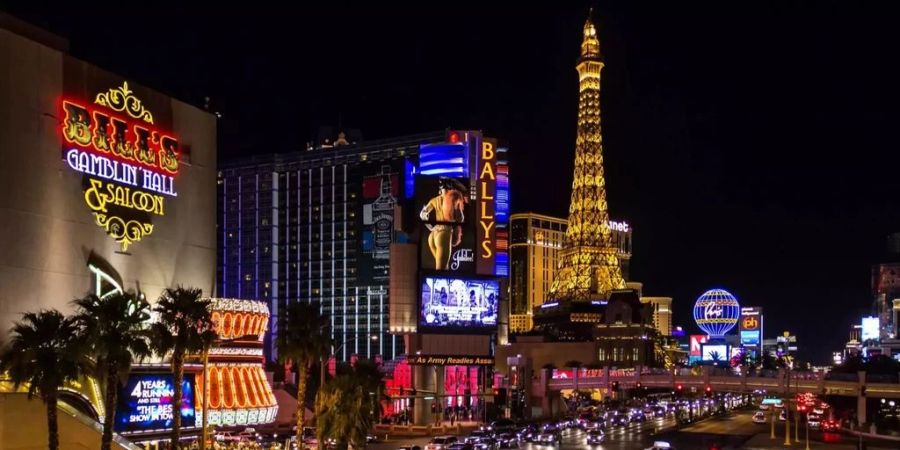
[{"x": 146, "y": 403}]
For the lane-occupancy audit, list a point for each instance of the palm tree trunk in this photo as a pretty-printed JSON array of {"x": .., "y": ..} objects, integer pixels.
[
  {"x": 112, "y": 387},
  {"x": 301, "y": 396},
  {"x": 178, "y": 369},
  {"x": 52, "y": 425}
]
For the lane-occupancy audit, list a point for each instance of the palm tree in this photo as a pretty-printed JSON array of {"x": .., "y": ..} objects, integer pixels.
[
  {"x": 45, "y": 352},
  {"x": 115, "y": 327},
  {"x": 304, "y": 337},
  {"x": 183, "y": 326},
  {"x": 342, "y": 413},
  {"x": 369, "y": 376}
]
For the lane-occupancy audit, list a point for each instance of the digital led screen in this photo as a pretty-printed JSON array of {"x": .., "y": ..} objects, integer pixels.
[
  {"x": 715, "y": 352},
  {"x": 869, "y": 328},
  {"x": 146, "y": 403},
  {"x": 466, "y": 304},
  {"x": 749, "y": 337},
  {"x": 447, "y": 217}
]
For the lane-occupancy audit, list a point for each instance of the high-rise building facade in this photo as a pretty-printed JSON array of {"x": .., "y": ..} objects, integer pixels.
[
  {"x": 317, "y": 225},
  {"x": 535, "y": 242},
  {"x": 662, "y": 313}
]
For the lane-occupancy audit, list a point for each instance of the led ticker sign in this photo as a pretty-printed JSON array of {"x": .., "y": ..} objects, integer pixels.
[
  {"x": 129, "y": 165},
  {"x": 145, "y": 403},
  {"x": 487, "y": 187}
]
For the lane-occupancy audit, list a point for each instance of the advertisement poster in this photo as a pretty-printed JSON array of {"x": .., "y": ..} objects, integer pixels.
[
  {"x": 459, "y": 303},
  {"x": 447, "y": 240},
  {"x": 380, "y": 192},
  {"x": 146, "y": 403}
]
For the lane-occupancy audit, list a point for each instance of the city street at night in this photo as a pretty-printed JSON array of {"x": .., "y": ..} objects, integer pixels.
[{"x": 578, "y": 225}]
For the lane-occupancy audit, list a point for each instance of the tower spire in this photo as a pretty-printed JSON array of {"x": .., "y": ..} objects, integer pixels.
[{"x": 589, "y": 264}]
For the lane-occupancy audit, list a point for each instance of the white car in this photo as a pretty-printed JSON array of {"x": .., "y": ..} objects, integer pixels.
[
  {"x": 759, "y": 417},
  {"x": 661, "y": 445},
  {"x": 763, "y": 407},
  {"x": 440, "y": 442}
]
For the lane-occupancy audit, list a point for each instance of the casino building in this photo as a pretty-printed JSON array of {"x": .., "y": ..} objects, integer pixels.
[
  {"x": 108, "y": 185},
  {"x": 534, "y": 244},
  {"x": 96, "y": 171},
  {"x": 318, "y": 225}
]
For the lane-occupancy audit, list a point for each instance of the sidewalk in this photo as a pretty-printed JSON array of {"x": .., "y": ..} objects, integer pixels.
[{"x": 763, "y": 441}]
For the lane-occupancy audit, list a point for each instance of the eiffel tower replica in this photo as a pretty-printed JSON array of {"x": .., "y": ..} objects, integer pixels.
[{"x": 589, "y": 265}]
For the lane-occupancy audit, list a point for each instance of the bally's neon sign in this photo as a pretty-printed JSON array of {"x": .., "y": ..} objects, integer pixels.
[
  {"x": 487, "y": 182},
  {"x": 128, "y": 164}
]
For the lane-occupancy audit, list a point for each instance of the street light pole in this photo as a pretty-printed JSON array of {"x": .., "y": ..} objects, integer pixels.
[
  {"x": 807, "y": 432},
  {"x": 787, "y": 410}
]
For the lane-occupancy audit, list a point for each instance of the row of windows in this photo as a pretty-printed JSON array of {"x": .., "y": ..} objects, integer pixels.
[{"x": 618, "y": 354}]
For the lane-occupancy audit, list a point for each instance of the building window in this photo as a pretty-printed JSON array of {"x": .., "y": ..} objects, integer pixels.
[
  {"x": 634, "y": 354},
  {"x": 602, "y": 354}
]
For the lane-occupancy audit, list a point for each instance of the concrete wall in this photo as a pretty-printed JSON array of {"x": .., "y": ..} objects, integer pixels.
[
  {"x": 23, "y": 426},
  {"x": 47, "y": 231}
]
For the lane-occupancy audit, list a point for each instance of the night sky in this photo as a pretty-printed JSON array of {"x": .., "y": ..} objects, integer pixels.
[{"x": 752, "y": 146}]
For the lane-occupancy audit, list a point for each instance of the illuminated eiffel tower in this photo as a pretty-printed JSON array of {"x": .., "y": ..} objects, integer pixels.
[{"x": 589, "y": 266}]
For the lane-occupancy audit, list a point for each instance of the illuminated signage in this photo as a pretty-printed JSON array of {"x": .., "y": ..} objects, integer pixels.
[
  {"x": 129, "y": 166},
  {"x": 618, "y": 226},
  {"x": 750, "y": 338},
  {"x": 869, "y": 328},
  {"x": 697, "y": 340},
  {"x": 470, "y": 305},
  {"x": 715, "y": 352},
  {"x": 145, "y": 403},
  {"x": 442, "y": 360},
  {"x": 487, "y": 189}
]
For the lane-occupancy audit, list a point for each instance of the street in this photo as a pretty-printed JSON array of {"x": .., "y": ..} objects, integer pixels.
[{"x": 732, "y": 431}]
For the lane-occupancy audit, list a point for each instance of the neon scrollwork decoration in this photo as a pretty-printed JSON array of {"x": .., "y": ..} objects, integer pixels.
[
  {"x": 124, "y": 231},
  {"x": 123, "y": 99}
]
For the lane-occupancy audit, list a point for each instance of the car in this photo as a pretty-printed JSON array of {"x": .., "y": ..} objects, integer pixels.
[
  {"x": 782, "y": 416},
  {"x": 371, "y": 439},
  {"x": 595, "y": 437},
  {"x": 764, "y": 407},
  {"x": 659, "y": 411},
  {"x": 550, "y": 426},
  {"x": 618, "y": 420},
  {"x": 584, "y": 419},
  {"x": 527, "y": 433},
  {"x": 486, "y": 443},
  {"x": 440, "y": 442},
  {"x": 547, "y": 438},
  {"x": 565, "y": 423},
  {"x": 637, "y": 417},
  {"x": 759, "y": 417},
  {"x": 459, "y": 446},
  {"x": 594, "y": 425},
  {"x": 476, "y": 436},
  {"x": 507, "y": 440},
  {"x": 661, "y": 445},
  {"x": 814, "y": 424},
  {"x": 830, "y": 426},
  {"x": 502, "y": 426}
]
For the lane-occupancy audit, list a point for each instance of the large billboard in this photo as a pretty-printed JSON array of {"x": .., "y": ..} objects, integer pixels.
[
  {"x": 447, "y": 238},
  {"x": 381, "y": 187},
  {"x": 464, "y": 304},
  {"x": 751, "y": 326},
  {"x": 146, "y": 403},
  {"x": 870, "y": 329},
  {"x": 696, "y": 341}
]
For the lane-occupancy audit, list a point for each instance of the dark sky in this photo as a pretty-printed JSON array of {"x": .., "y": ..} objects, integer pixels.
[{"x": 752, "y": 146}]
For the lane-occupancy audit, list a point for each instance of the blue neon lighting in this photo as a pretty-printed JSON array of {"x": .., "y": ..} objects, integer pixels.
[
  {"x": 443, "y": 159},
  {"x": 409, "y": 180}
]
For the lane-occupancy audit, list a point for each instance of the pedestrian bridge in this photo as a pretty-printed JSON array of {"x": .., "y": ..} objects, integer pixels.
[{"x": 722, "y": 380}]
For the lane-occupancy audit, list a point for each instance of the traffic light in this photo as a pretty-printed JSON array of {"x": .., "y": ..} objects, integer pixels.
[
  {"x": 679, "y": 390},
  {"x": 709, "y": 391}
]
